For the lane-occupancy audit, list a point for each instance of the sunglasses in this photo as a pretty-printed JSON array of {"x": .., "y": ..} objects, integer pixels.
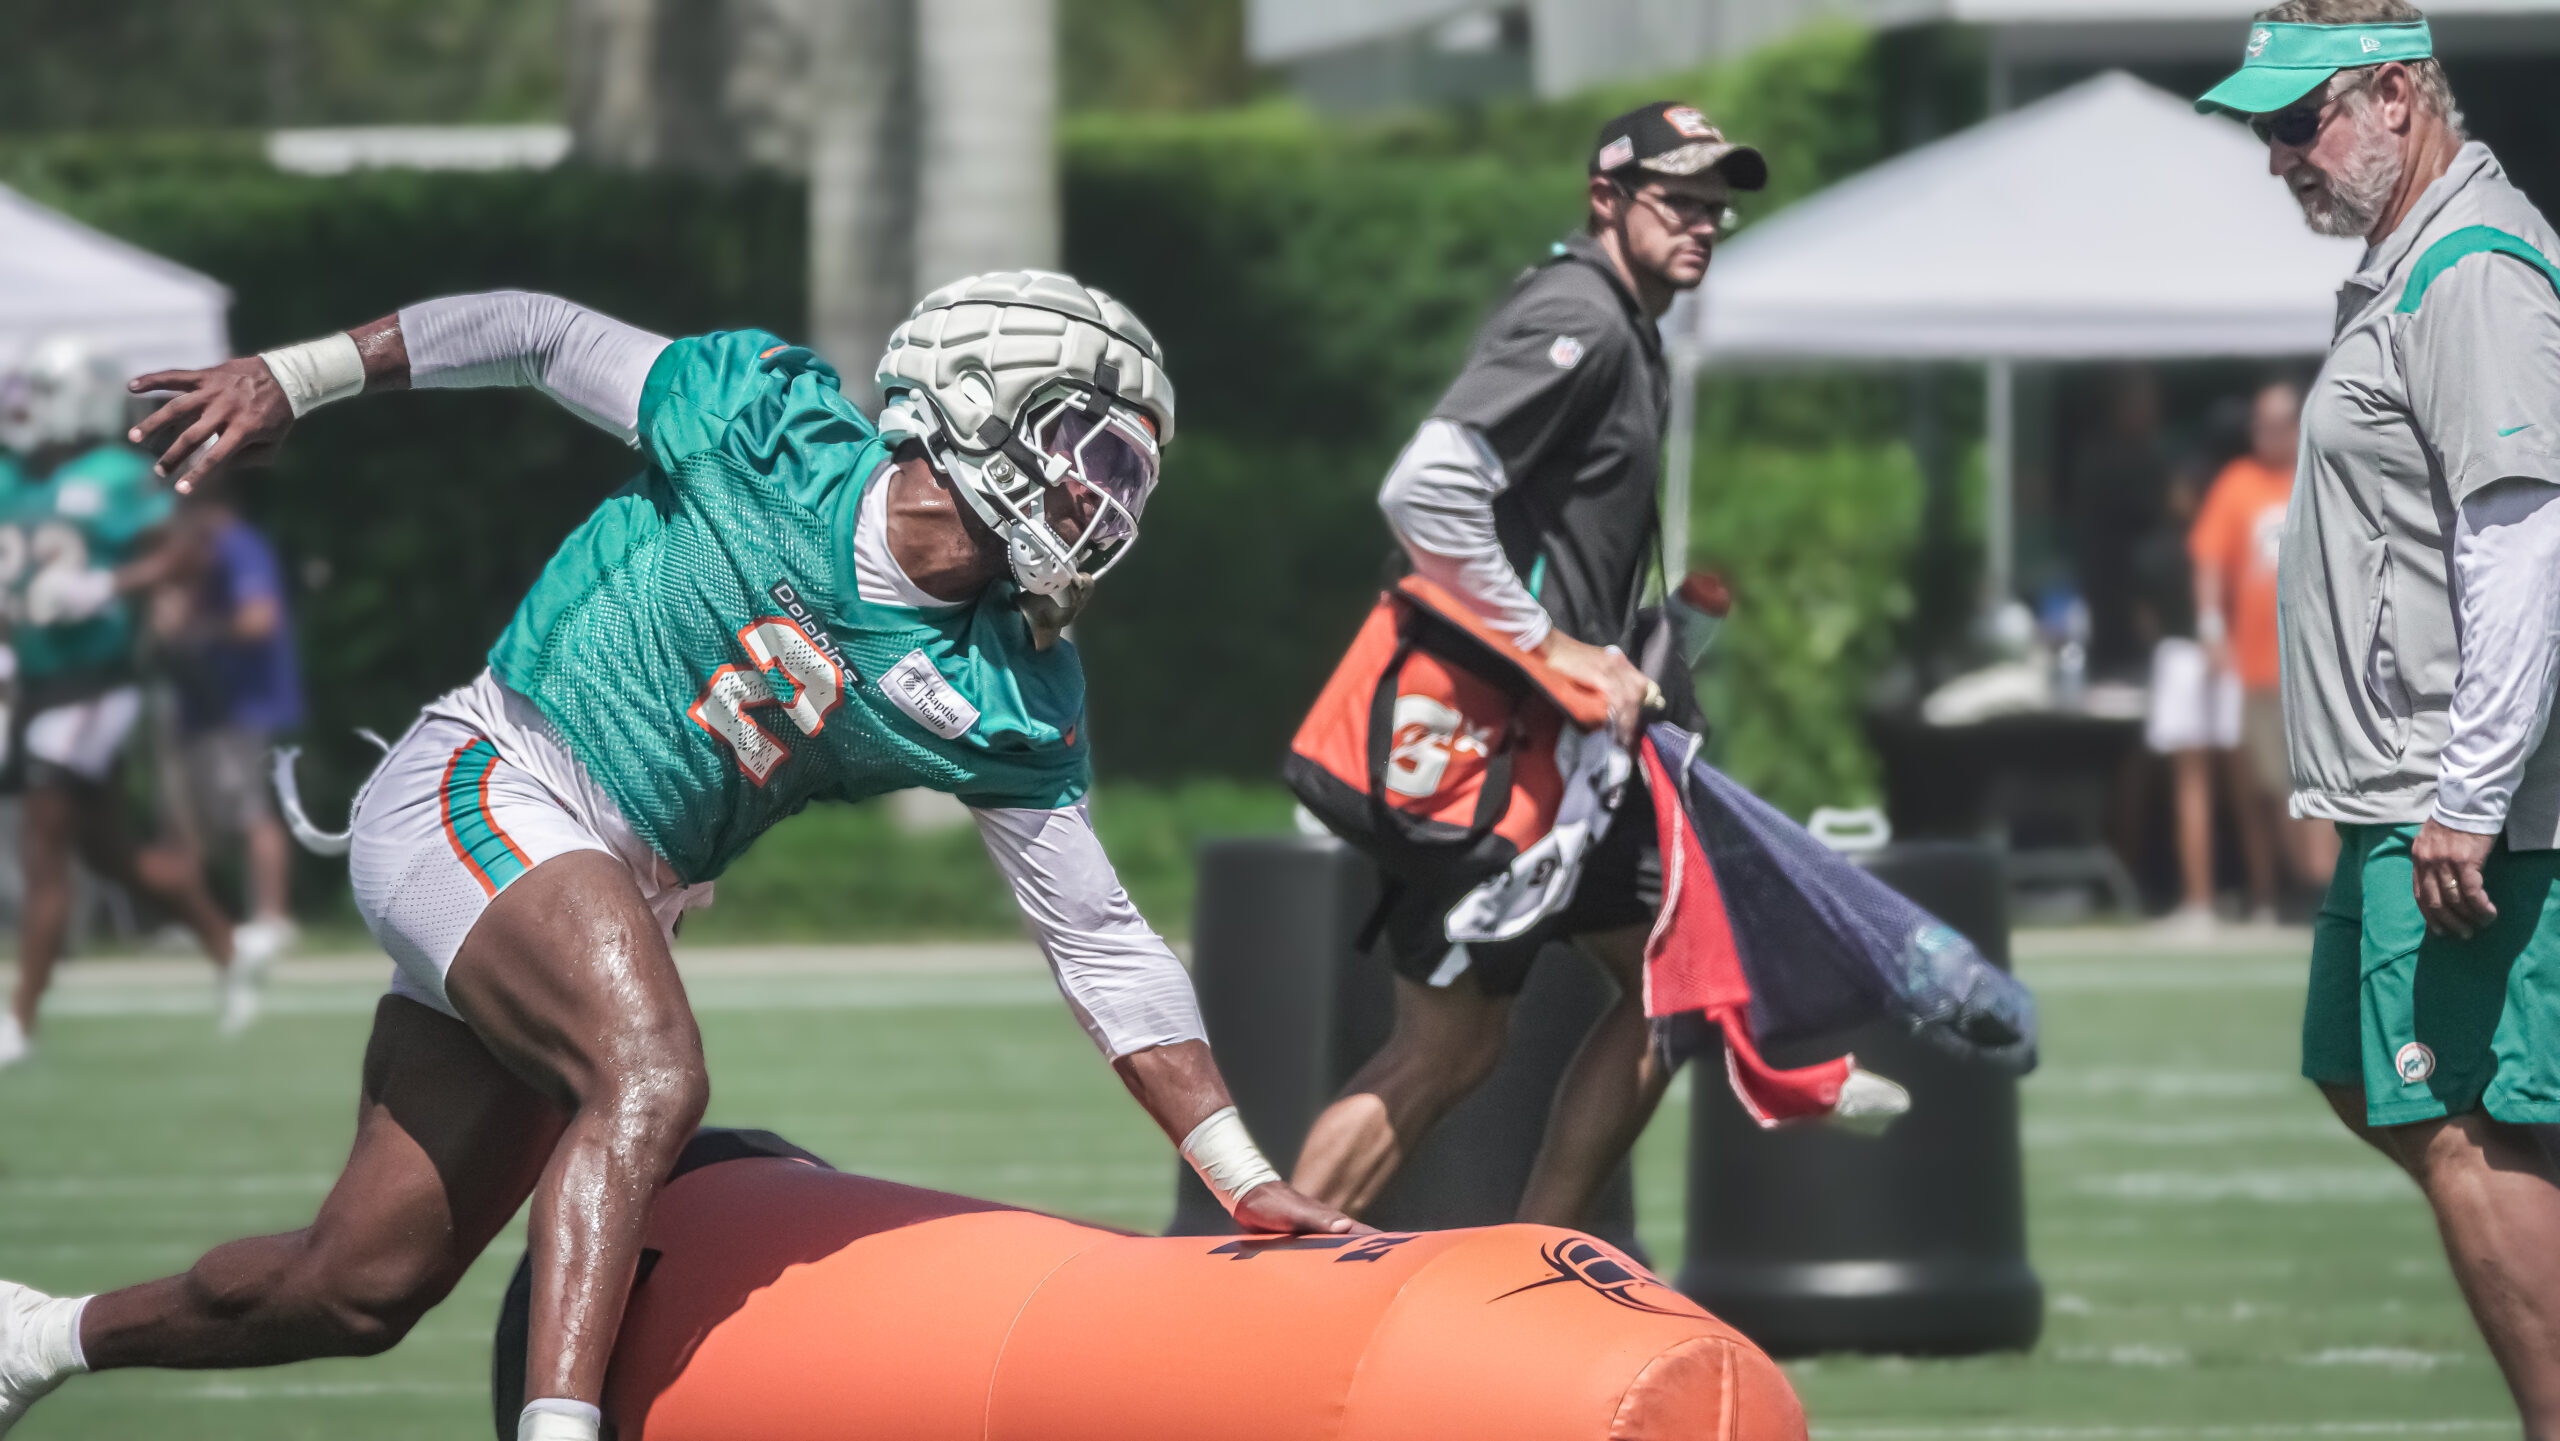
[
  {"x": 1688, "y": 211},
  {"x": 2300, "y": 125},
  {"x": 2293, "y": 128}
]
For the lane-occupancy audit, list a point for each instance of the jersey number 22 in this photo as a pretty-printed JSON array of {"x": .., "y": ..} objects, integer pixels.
[{"x": 790, "y": 672}]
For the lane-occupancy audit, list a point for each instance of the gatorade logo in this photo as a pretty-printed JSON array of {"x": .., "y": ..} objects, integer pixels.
[
  {"x": 2414, "y": 1063},
  {"x": 1617, "y": 1280}
]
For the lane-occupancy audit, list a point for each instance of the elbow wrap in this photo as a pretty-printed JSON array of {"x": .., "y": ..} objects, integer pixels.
[
  {"x": 317, "y": 372},
  {"x": 1228, "y": 1161}
]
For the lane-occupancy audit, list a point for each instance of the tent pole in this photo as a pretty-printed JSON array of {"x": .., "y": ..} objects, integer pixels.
[
  {"x": 1999, "y": 500},
  {"x": 1679, "y": 448}
]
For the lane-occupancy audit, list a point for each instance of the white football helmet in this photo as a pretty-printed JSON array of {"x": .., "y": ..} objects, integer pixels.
[
  {"x": 1027, "y": 386},
  {"x": 62, "y": 391}
]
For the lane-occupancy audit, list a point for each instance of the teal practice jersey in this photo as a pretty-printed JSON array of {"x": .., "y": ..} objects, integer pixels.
[
  {"x": 90, "y": 514},
  {"x": 700, "y": 643}
]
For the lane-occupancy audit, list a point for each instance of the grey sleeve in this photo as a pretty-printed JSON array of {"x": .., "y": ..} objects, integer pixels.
[
  {"x": 1123, "y": 982},
  {"x": 2483, "y": 360},
  {"x": 594, "y": 365},
  {"x": 1439, "y": 501},
  {"x": 2506, "y": 550}
]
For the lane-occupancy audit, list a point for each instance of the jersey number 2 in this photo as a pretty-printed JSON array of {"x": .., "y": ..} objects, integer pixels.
[
  {"x": 51, "y": 551},
  {"x": 789, "y": 672}
]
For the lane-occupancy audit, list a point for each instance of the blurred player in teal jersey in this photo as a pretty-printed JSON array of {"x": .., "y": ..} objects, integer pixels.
[
  {"x": 78, "y": 534},
  {"x": 791, "y": 603}
]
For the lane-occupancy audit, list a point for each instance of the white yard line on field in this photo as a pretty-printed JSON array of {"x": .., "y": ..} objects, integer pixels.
[
  {"x": 2038, "y": 943},
  {"x": 325, "y": 1390}
]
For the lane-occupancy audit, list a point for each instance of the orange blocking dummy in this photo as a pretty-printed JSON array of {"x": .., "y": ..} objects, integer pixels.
[{"x": 787, "y": 1302}]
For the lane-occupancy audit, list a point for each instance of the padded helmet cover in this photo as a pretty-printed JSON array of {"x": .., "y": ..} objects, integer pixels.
[
  {"x": 979, "y": 348},
  {"x": 65, "y": 390}
]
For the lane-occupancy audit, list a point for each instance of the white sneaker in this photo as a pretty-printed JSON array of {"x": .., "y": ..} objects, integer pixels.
[
  {"x": 14, "y": 1045},
  {"x": 242, "y": 981},
  {"x": 39, "y": 1347},
  {"x": 2188, "y": 923},
  {"x": 264, "y": 939}
]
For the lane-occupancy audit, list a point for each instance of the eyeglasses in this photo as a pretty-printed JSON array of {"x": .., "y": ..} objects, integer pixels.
[{"x": 1684, "y": 210}]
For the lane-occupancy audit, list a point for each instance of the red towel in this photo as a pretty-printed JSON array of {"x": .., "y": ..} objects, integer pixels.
[{"x": 1690, "y": 964}]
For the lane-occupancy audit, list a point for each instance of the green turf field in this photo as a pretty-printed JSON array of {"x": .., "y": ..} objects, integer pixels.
[{"x": 2220, "y": 1260}]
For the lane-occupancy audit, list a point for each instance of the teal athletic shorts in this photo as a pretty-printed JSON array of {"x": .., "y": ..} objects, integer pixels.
[{"x": 2427, "y": 1025}]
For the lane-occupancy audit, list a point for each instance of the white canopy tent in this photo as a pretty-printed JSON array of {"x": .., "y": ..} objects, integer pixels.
[
  {"x": 2107, "y": 222},
  {"x": 57, "y": 276}
]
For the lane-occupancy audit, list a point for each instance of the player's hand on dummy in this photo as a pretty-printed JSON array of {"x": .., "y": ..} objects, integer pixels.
[
  {"x": 1607, "y": 670},
  {"x": 2446, "y": 865},
  {"x": 232, "y": 414},
  {"x": 1274, "y": 1209}
]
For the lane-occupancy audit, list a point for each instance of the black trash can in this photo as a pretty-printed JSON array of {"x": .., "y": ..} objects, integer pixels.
[
  {"x": 1807, "y": 1239},
  {"x": 1293, "y": 1009}
]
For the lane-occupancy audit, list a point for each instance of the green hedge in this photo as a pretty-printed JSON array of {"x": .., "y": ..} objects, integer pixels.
[{"x": 1816, "y": 544}]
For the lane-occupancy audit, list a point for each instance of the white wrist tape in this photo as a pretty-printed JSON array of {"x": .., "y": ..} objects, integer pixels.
[
  {"x": 556, "y": 1419},
  {"x": 55, "y": 1336},
  {"x": 317, "y": 372},
  {"x": 1228, "y": 1161},
  {"x": 2211, "y": 628}
]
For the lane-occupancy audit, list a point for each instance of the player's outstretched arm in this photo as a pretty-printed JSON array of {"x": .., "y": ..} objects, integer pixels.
[
  {"x": 238, "y": 412},
  {"x": 1133, "y": 997}
]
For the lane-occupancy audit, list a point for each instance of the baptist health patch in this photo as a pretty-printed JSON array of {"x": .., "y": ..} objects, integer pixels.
[
  {"x": 2414, "y": 1063},
  {"x": 914, "y": 686},
  {"x": 1565, "y": 353}
]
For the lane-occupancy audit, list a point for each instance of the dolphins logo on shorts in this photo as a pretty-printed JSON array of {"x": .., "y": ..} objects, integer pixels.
[{"x": 2414, "y": 1063}]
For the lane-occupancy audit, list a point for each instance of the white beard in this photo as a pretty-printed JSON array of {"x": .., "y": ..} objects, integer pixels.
[{"x": 2348, "y": 201}]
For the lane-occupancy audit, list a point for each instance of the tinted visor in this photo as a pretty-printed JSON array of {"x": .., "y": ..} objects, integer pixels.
[{"x": 1113, "y": 453}]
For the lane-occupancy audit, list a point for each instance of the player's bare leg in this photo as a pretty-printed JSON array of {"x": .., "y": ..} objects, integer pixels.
[
  {"x": 169, "y": 875},
  {"x": 2256, "y": 815},
  {"x": 1607, "y": 1095},
  {"x": 448, "y": 1144},
  {"x": 64, "y": 816},
  {"x": 44, "y": 854},
  {"x": 568, "y": 979},
  {"x": 1446, "y": 1040},
  {"x": 578, "y": 1079}
]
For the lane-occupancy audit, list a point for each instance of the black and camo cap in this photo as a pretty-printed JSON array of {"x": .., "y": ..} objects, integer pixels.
[{"x": 1668, "y": 137}]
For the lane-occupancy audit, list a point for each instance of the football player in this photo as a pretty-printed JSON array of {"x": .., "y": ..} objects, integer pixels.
[
  {"x": 78, "y": 536},
  {"x": 792, "y": 602}
]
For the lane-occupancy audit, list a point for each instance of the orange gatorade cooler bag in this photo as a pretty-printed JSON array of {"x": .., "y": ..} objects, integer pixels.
[{"x": 1433, "y": 748}]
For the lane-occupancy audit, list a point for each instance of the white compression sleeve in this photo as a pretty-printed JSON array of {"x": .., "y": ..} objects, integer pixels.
[
  {"x": 1439, "y": 500},
  {"x": 592, "y": 364},
  {"x": 1127, "y": 989},
  {"x": 2506, "y": 549}
]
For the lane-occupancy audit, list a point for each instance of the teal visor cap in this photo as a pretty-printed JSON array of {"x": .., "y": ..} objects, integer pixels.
[{"x": 2283, "y": 63}]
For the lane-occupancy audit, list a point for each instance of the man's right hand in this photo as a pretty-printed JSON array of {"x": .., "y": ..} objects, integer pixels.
[
  {"x": 1276, "y": 1210},
  {"x": 234, "y": 413},
  {"x": 1608, "y": 671}
]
